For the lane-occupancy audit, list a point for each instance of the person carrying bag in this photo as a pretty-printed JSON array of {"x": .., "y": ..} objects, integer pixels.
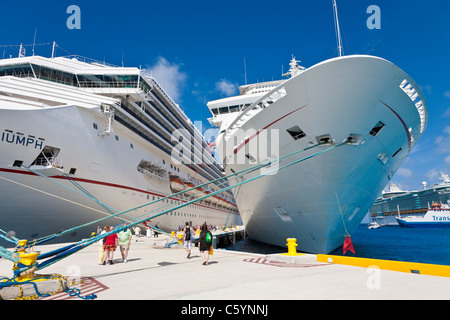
[{"x": 205, "y": 243}]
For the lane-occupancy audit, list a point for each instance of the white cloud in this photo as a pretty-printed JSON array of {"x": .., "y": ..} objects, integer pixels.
[
  {"x": 443, "y": 144},
  {"x": 447, "y": 93},
  {"x": 426, "y": 89},
  {"x": 169, "y": 77},
  {"x": 447, "y": 160},
  {"x": 226, "y": 88},
  {"x": 446, "y": 113},
  {"x": 433, "y": 175},
  {"x": 447, "y": 129},
  {"x": 403, "y": 172}
]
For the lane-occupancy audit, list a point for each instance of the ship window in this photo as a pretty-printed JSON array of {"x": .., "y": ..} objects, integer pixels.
[
  {"x": 117, "y": 137},
  {"x": 325, "y": 139},
  {"x": 94, "y": 125},
  {"x": 354, "y": 139},
  {"x": 250, "y": 157},
  {"x": 18, "y": 70},
  {"x": 17, "y": 163},
  {"x": 400, "y": 149},
  {"x": 375, "y": 130},
  {"x": 234, "y": 108},
  {"x": 72, "y": 170},
  {"x": 383, "y": 157},
  {"x": 296, "y": 132},
  {"x": 223, "y": 110}
]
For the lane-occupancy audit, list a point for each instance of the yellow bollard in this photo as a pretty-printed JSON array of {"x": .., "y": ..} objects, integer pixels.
[
  {"x": 21, "y": 247},
  {"x": 292, "y": 250},
  {"x": 28, "y": 259}
]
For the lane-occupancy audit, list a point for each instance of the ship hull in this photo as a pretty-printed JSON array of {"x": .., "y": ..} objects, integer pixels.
[
  {"x": 323, "y": 198},
  {"x": 430, "y": 224},
  {"x": 104, "y": 179},
  {"x": 434, "y": 218}
]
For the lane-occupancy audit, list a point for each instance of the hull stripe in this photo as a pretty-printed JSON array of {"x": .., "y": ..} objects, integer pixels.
[
  {"x": 403, "y": 122},
  {"x": 113, "y": 185},
  {"x": 265, "y": 128}
]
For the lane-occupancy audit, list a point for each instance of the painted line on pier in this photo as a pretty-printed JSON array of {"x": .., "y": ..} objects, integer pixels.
[{"x": 400, "y": 266}]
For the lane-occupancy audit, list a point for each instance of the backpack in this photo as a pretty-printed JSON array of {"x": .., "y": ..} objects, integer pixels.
[{"x": 208, "y": 237}]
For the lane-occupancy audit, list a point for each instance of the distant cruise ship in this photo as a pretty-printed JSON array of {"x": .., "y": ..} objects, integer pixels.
[
  {"x": 107, "y": 133},
  {"x": 396, "y": 202},
  {"x": 438, "y": 216}
]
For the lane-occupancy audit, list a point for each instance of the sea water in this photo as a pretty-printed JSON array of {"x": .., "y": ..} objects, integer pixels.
[{"x": 387, "y": 243}]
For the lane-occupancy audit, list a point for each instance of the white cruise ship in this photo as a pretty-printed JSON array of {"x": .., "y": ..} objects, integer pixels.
[
  {"x": 394, "y": 203},
  {"x": 357, "y": 117},
  {"x": 81, "y": 140}
]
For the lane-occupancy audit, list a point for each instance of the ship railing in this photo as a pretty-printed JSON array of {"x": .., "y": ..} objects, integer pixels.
[
  {"x": 150, "y": 78},
  {"x": 90, "y": 60},
  {"x": 108, "y": 84},
  {"x": 250, "y": 111}
]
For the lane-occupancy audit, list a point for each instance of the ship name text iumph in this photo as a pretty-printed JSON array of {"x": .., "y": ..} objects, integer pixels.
[{"x": 20, "y": 139}]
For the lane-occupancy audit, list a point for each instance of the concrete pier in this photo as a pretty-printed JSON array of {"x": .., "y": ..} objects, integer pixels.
[{"x": 154, "y": 272}]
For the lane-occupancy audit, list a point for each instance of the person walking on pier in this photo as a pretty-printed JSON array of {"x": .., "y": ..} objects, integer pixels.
[
  {"x": 110, "y": 246},
  {"x": 137, "y": 232},
  {"x": 101, "y": 243},
  {"x": 188, "y": 236},
  {"x": 205, "y": 243},
  {"x": 124, "y": 243}
]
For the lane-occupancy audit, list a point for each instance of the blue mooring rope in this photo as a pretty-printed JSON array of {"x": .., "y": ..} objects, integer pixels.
[{"x": 88, "y": 242}]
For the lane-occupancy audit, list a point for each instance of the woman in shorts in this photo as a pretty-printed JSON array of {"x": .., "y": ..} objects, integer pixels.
[{"x": 111, "y": 243}]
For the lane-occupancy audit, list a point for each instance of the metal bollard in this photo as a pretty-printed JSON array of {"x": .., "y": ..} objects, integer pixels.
[{"x": 292, "y": 244}]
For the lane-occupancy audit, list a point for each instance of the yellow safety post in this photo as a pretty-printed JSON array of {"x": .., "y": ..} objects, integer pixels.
[
  {"x": 292, "y": 250},
  {"x": 28, "y": 259},
  {"x": 21, "y": 247}
]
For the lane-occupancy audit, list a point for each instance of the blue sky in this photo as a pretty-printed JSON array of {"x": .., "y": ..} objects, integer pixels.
[{"x": 197, "y": 48}]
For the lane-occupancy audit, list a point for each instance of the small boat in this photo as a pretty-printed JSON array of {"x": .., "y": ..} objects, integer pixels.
[
  {"x": 374, "y": 225},
  {"x": 438, "y": 216}
]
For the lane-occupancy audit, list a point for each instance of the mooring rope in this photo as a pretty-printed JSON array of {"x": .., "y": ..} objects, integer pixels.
[
  {"x": 123, "y": 227},
  {"x": 76, "y": 248},
  {"x": 235, "y": 175}
]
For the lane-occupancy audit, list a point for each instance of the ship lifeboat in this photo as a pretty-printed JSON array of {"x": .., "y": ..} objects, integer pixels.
[
  {"x": 201, "y": 192},
  {"x": 189, "y": 186},
  {"x": 436, "y": 205},
  {"x": 177, "y": 185},
  {"x": 215, "y": 200},
  {"x": 222, "y": 202}
]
